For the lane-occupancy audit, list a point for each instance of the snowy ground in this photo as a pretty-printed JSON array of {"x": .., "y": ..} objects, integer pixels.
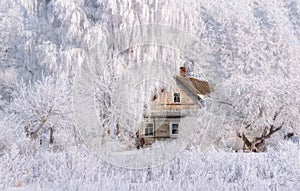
[{"x": 77, "y": 169}]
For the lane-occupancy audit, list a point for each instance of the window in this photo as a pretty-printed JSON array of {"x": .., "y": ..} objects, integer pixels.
[
  {"x": 174, "y": 127},
  {"x": 176, "y": 97},
  {"x": 149, "y": 129}
]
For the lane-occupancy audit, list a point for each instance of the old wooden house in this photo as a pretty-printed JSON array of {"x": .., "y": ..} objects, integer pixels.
[{"x": 171, "y": 105}]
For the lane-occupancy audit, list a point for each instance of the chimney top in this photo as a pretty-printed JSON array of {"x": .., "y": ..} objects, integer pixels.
[{"x": 182, "y": 71}]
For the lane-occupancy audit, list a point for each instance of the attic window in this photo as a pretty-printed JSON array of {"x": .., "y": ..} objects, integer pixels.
[
  {"x": 176, "y": 97},
  {"x": 149, "y": 130}
]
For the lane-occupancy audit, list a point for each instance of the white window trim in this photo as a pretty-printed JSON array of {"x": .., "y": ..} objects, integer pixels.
[
  {"x": 145, "y": 129},
  {"x": 179, "y": 97},
  {"x": 171, "y": 134}
]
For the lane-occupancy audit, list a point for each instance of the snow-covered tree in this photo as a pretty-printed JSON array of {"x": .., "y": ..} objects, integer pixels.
[{"x": 43, "y": 109}]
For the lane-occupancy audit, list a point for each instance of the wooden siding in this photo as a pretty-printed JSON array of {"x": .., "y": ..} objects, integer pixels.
[
  {"x": 165, "y": 101},
  {"x": 162, "y": 127}
]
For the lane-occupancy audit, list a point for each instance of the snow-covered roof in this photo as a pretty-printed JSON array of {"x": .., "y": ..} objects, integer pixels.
[{"x": 194, "y": 85}]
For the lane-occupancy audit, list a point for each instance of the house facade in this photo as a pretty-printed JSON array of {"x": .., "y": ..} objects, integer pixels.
[{"x": 170, "y": 106}]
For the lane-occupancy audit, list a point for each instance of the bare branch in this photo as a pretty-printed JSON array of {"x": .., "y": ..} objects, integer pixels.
[
  {"x": 44, "y": 120},
  {"x": 245, "y": 139},
  {"x": 36, "y": 132},
  {"x": 257, "y": 144},
  {"x": 248, "y": 125},
  {"x": 234, "y": 108}
]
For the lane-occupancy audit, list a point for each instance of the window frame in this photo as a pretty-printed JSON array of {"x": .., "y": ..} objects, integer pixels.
[
  {"x": 171, "y": 128},
  {"x": 179, "y": 97},
  {"x": 145, "y": 127}
]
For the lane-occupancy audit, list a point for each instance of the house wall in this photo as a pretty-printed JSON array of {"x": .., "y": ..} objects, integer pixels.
[
  {"x": 165, "y": 101},
  {"x": 161, "y": 129}
]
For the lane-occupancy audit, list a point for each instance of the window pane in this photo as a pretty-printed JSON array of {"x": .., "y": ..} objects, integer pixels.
[
  {"x": 175, "y": 128},
  {"x": 176, "y": 97},
  {"x": 149, "y": 129},
  {"x": 150, "y": 125}
]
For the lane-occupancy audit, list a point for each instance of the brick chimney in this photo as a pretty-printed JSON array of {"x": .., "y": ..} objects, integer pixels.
[{"x": 182, "y": 71}]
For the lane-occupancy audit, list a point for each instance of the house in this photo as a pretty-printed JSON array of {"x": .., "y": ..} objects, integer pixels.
[{"x": 172, "y": 104}]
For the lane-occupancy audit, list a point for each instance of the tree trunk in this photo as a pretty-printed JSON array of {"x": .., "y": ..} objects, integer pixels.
[{"x": 51, "y": 135}]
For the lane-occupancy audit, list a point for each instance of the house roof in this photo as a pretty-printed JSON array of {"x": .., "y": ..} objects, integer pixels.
[{"x": 194, "y": 85}]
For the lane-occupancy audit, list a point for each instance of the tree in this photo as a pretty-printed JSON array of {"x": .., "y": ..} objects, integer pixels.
[
  {"x": 257, "y": 144},
  {"x": 43, "y": 108}
]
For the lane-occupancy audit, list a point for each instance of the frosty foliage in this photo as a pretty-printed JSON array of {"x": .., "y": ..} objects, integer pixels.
[
  {"x": 45, "y": 105},
  {"x": 192, "y": 170},
  {"x": 252, "y": 61}
]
